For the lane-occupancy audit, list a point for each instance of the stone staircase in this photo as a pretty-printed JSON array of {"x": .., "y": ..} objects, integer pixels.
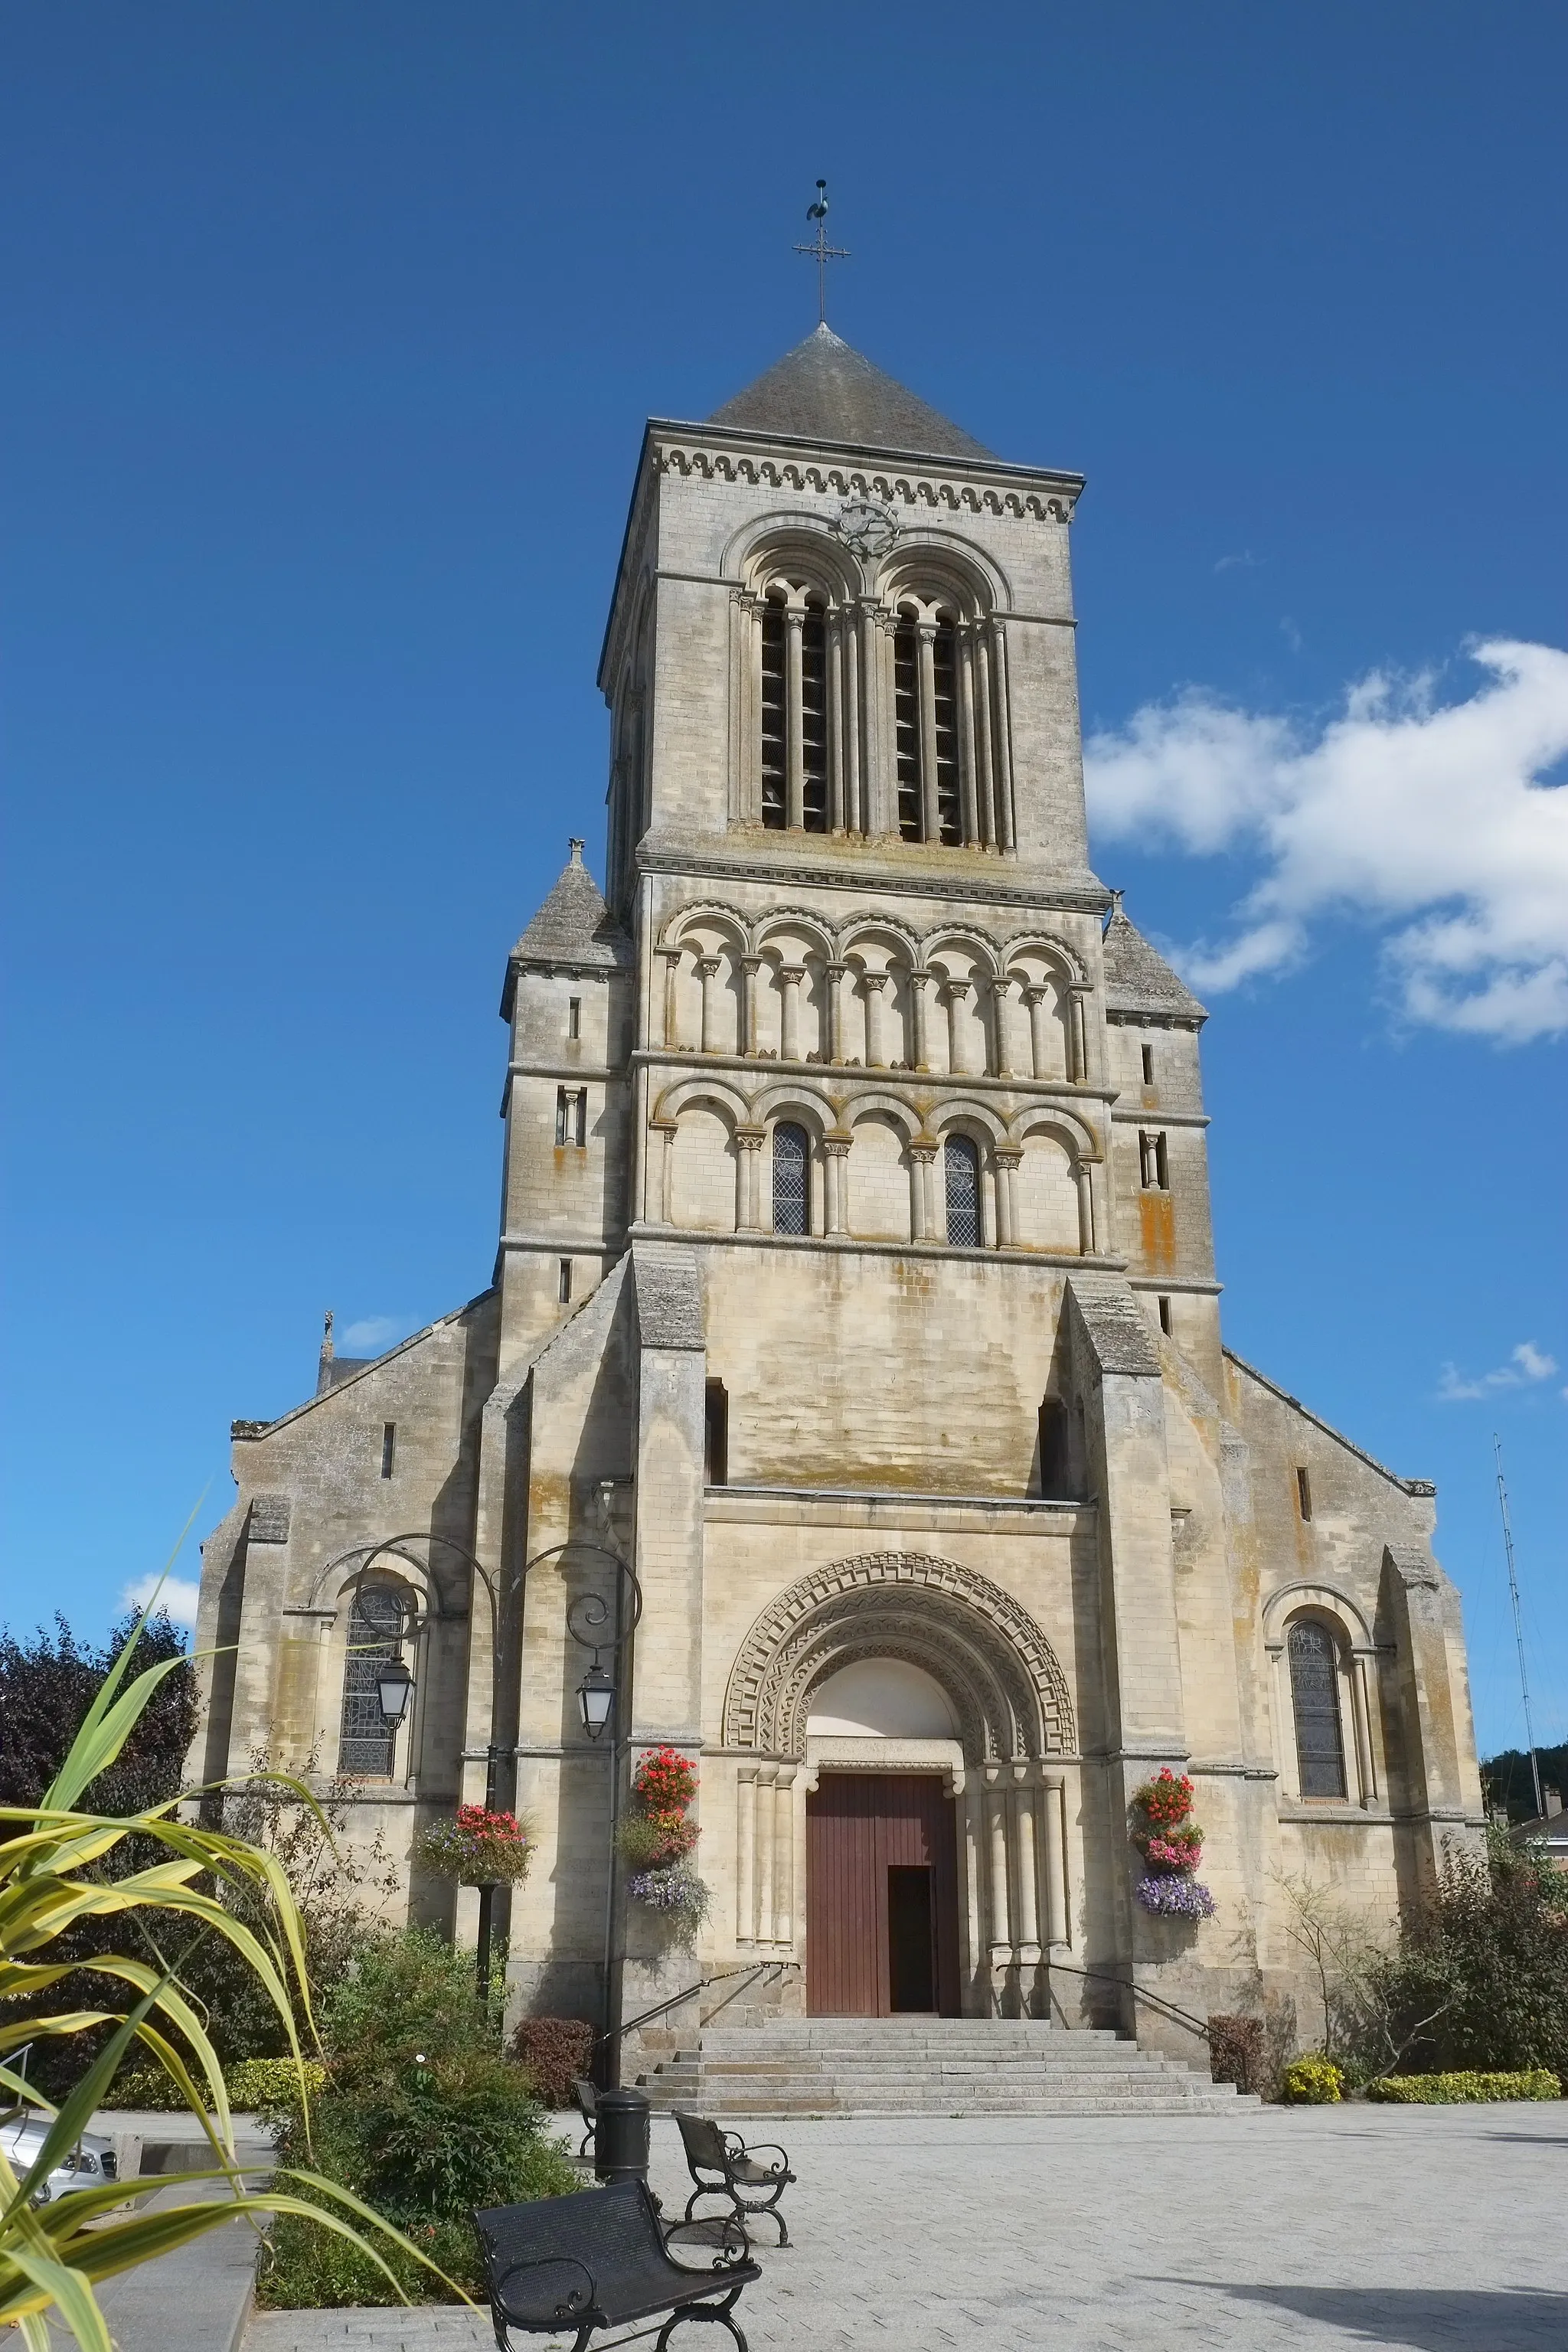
[{"x": 927, "y": 2066}]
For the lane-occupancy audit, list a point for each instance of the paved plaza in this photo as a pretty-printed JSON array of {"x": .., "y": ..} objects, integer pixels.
[{"x": 1278, "y": 2229}]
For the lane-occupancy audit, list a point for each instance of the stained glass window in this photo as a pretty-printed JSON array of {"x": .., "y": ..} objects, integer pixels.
[
  {"x": 961, "y": 1166},
  {"x": 1315, "y": 1694},
  {"x": 375, "y": 1624},
  {"x": 792, "y": 1162}
]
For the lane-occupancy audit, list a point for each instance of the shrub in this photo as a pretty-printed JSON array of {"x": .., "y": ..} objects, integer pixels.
[
  {"x": 1236, "y": 2052},
  {"x": 421, "y": 2116},
  {"x": 552, "y": 2052},
  {"x": 1313, "y": 2081},
  {"x": 270, "y": 2085},
  {"x": 1483, "y": 1983},
  {"x": 655, "y": 1841},
  {"x": 1453, "y": 2090}
]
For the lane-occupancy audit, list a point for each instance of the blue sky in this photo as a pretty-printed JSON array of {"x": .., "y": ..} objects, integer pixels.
[{"x": 331, "y": 329}]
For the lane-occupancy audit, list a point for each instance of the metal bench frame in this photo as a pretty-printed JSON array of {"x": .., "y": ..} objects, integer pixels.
[
  {"x": 587, "y": 2095},
  {"x": 711, "y": 2149},
  {"x": 544, "y": 2293}
]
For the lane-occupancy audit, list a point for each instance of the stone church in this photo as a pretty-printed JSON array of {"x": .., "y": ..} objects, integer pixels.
[{"x": 855, "y": 1295}]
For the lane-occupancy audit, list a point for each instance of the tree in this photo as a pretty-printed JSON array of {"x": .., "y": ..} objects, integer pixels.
[
  {"x": 1509, "y": 1783},
  {"x": 48, "y": 1684},
  {"x": 1496, "y": 1937}
]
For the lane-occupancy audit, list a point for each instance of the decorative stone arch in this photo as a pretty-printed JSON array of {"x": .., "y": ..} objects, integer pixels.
[
  {"x": 967, "y": 1113},
  {"x": 773, "y": 544},
  {"x": 1033, "y": 1213},
  {"x": 1323, "y": 1603},
  {"x": 864, "y": 1102},
  {"x": 878, "y": 927},
  {"x": 704, "y": 1087},
  {"x": 973, "y": 942},
  {"x": 1053, "y": 1117},
  {"x": 800, "y": 918},
  {"x": 1053, "y": 950},
  {"x": 789, "y": 1099},
  {"x": 676, "y": 932},
  {"x": 923, "y": 560},
  {"x": 1009, "y": 1694}
]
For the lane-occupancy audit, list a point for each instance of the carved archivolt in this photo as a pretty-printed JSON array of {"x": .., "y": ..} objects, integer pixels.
[{"x": 1005, "y": 1681}]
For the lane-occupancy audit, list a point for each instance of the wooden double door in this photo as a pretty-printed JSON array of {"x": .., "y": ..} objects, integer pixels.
[{"x": 881, "y": 1919}]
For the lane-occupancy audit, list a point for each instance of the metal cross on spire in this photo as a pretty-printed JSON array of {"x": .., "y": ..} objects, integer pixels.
[{"x": 822, "y": 253}]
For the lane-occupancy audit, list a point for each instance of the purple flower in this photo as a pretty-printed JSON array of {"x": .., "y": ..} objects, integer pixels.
[{"x": 1176, "y": 1898}]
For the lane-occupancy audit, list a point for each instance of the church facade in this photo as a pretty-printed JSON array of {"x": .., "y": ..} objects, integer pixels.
[{"x": 855, "y": 1289}]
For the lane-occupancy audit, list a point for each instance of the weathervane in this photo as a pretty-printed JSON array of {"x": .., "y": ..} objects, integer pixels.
[{"x": 822, "y": 253}]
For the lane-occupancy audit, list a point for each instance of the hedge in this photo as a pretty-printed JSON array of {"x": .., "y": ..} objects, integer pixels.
[{"x": 1454, "y": 2090}]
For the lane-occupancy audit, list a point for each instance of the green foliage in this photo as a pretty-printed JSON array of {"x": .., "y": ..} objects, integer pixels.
[
  {"x": 1489, "y": 1966},
  {"x": 1454, "y": 2090},
  {"x": 306, "y": 2268},
  {"x": 420, "y": 2116},
  {"x": 1313, "y": 2081},
  {"x": 256, "y": 2086},
  {"x": 654, "y": 1841},
  {"x": 1509, "y": 1785}
]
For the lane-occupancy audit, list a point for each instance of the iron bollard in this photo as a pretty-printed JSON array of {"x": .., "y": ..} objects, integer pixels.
[{"x": 620, "y": 2136}]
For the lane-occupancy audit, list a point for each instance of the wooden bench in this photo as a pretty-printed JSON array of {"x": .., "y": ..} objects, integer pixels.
[
  {"x": 734, "y": 2172},
  {"x": 601, "y": 2258}
]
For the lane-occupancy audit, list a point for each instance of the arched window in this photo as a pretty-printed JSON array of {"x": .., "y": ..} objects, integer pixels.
[
  {"x": 792, "y": 1187},
  {"x": 375, "y": 1628},
  {"x": 961, "y": 1169},
  {"x": 1315, "y": 1698}
]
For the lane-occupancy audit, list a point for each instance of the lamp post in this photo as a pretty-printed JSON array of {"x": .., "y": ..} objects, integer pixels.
[{"x": 594, "y": 1625}]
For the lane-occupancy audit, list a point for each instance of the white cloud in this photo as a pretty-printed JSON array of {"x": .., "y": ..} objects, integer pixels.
[
  {"x": 179, "y": 1596},
  {"x": 1244, "y": 562},
  {"x": 374, "y": 1331},
  {"x": 1527, "y": 1364},
  {"x": 1431, "y": 819}
]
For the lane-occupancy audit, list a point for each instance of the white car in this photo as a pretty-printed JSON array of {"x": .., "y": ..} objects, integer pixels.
[{"x": 88, "y": 2165}]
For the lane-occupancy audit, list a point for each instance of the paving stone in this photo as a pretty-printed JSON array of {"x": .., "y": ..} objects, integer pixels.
[{"x": 1271, "y": 2230}]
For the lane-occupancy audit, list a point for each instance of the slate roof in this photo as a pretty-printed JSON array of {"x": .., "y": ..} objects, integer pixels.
[
  {"x": 1138, "y": 979},
  {"x": 574, "y": 926},
  {"x": 825, "y": 390}
]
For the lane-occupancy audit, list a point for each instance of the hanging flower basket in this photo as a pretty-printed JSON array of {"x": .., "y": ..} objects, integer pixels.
[
  {"x": 1171, "y": 1846},
  {"x": 1173, "y": 1897},
  {"x": 477, "y": 1848},
  {"x": 677, "y": 1894},
  {"x": 656, "y": 1839}
]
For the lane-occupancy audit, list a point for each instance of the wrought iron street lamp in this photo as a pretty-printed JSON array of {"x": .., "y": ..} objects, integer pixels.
[
  {"x": 595, "y": 1699},
  {"x": 393, "y": 1689}
]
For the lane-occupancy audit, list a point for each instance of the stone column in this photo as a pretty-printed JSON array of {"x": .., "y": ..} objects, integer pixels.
[
  {"x": 1078, "y": 1051},
  {"x": 750, "y": 967},
  {"x": 874, "y": 984},
  {"x": 1001, "y": 1907},
  {"x": 707, "y": 971},
  {"x": 790, "y": 977},
  {"x": 972, "y": 1833},
  {"x": 1361, "y": 1707},
  {"x": 955, "y": 991},
  {"x": 1002, "y": 756},
  {"x": 968, "y": 787},
  {"x": 854, "y": 794},
  {"x": 661, "y": 1157},
  {"x": 671, "y": 1020},
  {"x": 835, "y": 1182},
  {"x": 767, "y": 1782},
  {"x": 918, "y": 982},
  {"x": 1002, "y": 1024},
  {"x": 783, "y": 1854},
  {"x": 930, "y": 817},
  {"x": 1025, "y": 1796},
  {"x": 834, "y": 723},
  {"x": 835, "y": 973},
  {"x": 1006, "y": 1156},
  {"x": 923, "y": 1159},
  {"x": 1037, "y": 996},
  {"x": 1055, "y": 1859},
  {"x": 985, "y": 764},
  {"x": 749, "y": 1142},
  {"x": 746, "y": 1854},
  {"x": 794, "y": 771},
  {"x": 1099, "y": 1216}
]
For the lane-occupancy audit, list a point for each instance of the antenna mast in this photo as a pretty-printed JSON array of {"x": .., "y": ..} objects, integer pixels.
[{"x": 1517, "y": 1626}]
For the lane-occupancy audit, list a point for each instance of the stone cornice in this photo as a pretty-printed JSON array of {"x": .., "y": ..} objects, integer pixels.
[
  {"x": 846, "y": 469},
  {"x": 851, "y": 1075},
  {"x": 984, "y": 889}
]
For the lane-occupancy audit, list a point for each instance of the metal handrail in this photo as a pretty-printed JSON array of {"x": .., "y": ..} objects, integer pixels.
[
  {"x": 1149, "y": 1999},
  {"x": 719, "y": 1976}
]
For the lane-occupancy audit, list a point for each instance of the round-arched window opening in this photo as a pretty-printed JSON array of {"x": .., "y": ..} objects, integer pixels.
[
  {"x": 792, "y": 1179},
  {"x": 376, "y": 1633},
  {"x": 961, "y": 1172},
  {"x": 1314, "y": 1659}
]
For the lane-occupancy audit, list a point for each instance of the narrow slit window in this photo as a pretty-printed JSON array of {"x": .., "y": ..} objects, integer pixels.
[
  {"x": 715, "y": 1434},
  {"x": 563, "y": 1282},
  {"x": 775, "y": 698},
  {"x": 366, "y": 1741},
  {"x": 1315, "y": 1699},
  {"x": 944, "y": 680},
  {"x": 791, "y": 1178},
  {"x": 961, "y": 1172},
  {"x": 813, "y": 720},
  {"x": 388, "y": 1446},
  {"x": 906, "y": 728},
  {"x": 573, "y": 1016},
  {"x": 1165, "y": 1317},
  {"x": 1056, "y": 1454},
  {"x": 1148, "y": 1065},
  {"x": 1304, "y": 1493}
]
